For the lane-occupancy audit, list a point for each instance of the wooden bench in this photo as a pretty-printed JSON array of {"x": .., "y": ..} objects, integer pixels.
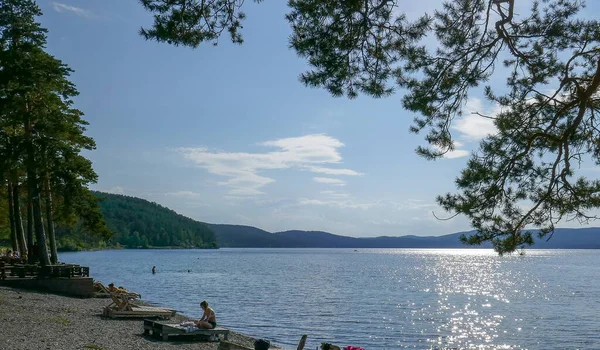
[
  {"x": 122, "y": 305},
  {"x": 163, "y": 330}
]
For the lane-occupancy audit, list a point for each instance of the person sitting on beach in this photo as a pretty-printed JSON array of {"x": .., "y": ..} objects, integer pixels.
[
  {"x": 112, "y": 288},
  {"x": 208, "y": 319}
]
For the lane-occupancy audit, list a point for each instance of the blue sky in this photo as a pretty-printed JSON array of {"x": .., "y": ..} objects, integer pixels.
[{"x": 228, "y": 134}]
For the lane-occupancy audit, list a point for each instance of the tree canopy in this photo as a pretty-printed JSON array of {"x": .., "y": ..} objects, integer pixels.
[{"x": 540, "y": 65}]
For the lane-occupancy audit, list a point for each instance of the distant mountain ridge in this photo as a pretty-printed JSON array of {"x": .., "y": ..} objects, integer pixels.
[
  {"x": 239, "y": 236},
  {"x": 138, "y": 223}
]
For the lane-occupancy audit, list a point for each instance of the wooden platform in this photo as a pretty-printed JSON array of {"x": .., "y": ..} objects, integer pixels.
[
  {"x": 163, "y": 330},
  {"x": 75, "y": 286},
  {"x": 139, "y": 311}
]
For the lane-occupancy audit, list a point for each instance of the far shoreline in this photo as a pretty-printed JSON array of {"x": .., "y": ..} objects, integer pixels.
[{"x": 355, "y": 248}]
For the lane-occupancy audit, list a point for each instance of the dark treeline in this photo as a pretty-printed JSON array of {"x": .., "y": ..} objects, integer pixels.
[{"x": 43, "y": 176}]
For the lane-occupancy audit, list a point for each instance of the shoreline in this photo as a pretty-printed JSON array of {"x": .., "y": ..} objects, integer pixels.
[
  {"x": 126, "y": 248},
  {"x": 40, "y": 320}
]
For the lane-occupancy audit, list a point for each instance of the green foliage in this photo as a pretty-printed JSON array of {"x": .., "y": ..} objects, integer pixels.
[
  {"x": 352, "y": 46},
  {"x": 81, "y": 212},
  {"x": 548, "y": 57},
  {"x": 191, "y": 22},
  {"x": 137, "y": 223}
]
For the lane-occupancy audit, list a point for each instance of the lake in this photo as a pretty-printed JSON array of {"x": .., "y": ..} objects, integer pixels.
[{"x": 374, "y": 298}]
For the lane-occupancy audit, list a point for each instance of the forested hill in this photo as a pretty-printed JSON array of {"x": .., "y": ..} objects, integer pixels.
[
  {"x": 138, "y": 223},
  {"x": 252, "y": 237}
]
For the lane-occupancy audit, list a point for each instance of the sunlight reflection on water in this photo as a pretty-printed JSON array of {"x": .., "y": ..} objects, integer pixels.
[{"x": 376, "y": 298}]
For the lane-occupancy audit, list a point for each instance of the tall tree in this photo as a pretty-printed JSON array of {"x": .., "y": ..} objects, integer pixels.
[
  {"x": 545, "y": 65},
  {"x": 30, "y": 244},
  {"x": 17, "y": 219},
  {"x": 13, "y": 233},
  {"x": 38, "y": 104},
  {"x": 22, "y": 40},
  {"x": 4, "y": 214},
  {"x": 50, "y": 221}
]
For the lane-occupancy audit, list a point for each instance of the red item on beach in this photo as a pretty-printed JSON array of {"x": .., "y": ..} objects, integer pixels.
[{"x": 350, "y": 347}]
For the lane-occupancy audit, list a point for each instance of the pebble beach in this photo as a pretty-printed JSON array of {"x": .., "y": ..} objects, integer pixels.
[{"x": 38, "y": 320}]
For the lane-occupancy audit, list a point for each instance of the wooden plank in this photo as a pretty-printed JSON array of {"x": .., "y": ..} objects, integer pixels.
[
  {"x": 164, "y": 330},
  {"x": 140, "y": 311}
]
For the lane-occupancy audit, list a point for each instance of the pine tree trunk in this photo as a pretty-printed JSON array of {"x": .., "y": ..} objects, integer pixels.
[
  {"x": 11, "y": 218},
  {"x": 50, "y": 222},
  {"x": 33, "y": 191},
  {"x": 38, "y": 223},
  {"x": 18, "y": 220},
  {"x": 31, "y": 256}
]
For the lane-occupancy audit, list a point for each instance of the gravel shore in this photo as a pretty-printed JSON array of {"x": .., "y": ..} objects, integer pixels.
[{"x": 36, "y": 320}]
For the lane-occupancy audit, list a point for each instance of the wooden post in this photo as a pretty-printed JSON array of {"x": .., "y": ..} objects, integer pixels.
[{"x": 302, "y": 342}]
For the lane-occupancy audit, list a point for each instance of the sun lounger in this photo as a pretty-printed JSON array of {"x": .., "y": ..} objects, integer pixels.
[
  {"x": 122, "y": 306},
  {"x": 165, "y": 329},
  {"x": 101, "y": 291}
]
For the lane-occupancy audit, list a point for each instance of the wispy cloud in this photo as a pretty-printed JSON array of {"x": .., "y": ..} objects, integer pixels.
[
  {"x": 344, "y": 204},
  {"x": 183, "y": 194},
  {"x": 63, "y": 8},
  {"x": 474, "y": 127},
  {"x": 329, "y": 180},
  {"x": 457, "y": 152},
  {"x": 310, "y": 152},
  {"x": 334, "y": 194},
  {"x": 344, "y": 201},
  {"x": 330, "y": 171},
  {"x": 475, "y": 124}
]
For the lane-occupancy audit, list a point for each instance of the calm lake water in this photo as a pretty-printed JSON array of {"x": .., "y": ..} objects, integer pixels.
[{"x": 374, "y": 298}]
